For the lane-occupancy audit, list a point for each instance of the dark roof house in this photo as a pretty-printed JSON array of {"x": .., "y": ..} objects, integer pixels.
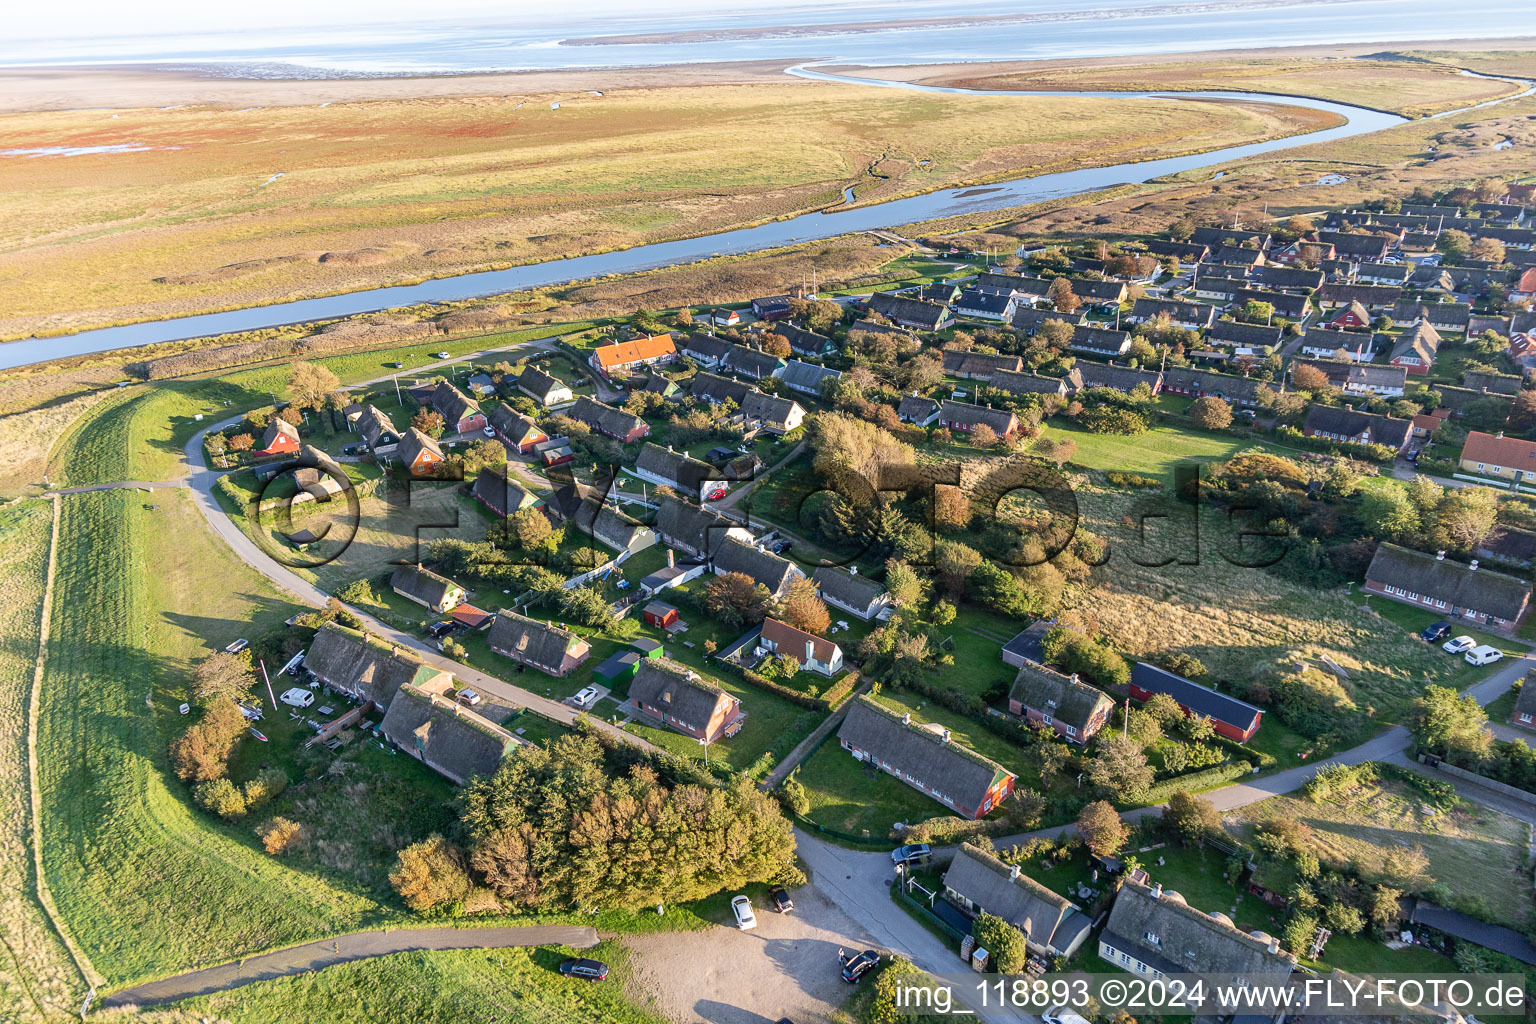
[
  {"x": 980, "y": 883},
  {"x": 451, "y": 739}
]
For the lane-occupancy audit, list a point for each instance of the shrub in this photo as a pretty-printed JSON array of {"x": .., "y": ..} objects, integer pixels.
[
  {"x": 1005, "y": 944},
  {"x": 1132, "y": 480},
  {"x": 280, "y": 835},
  {"x": 430, "y": 874},
  {"x": 793, "y": 796},
  {"x": 201, "y": 754},
  {"x": 268, "y": 783},
  {"x": 219, "y": 796},
  {"x": 357, "y": 592}
]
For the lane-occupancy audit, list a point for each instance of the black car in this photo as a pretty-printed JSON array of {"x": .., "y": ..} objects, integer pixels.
[
  {"x": 577, "y": 967},
  {"x": 858, "y": 965},
  {"x": 781, "y": 901},
  {"x": 438, "y": 630},
  {"x": 1439, "y": 631}
]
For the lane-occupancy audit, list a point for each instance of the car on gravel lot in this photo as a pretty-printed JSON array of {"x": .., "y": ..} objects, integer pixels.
[
  {"x": 579, "y": 967},
  {"x": 1438, "y": 631},
  {"x": 858, "y": 965},
  {"x": 297, "y": 698},
  {"x": 781, "y": 901},
  {"x": 741, "y": 906},
  {"x": 586, "y": 697},
  {"x": 1484, "y": 655},
  {"x": 1458, "y": 644},
  {"x": 912, "y": 853}
]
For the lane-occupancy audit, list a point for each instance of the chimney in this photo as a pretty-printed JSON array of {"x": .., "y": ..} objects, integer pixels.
[
  {"x": 810, "y": 651},
  {"x": 853, "y": 570},
  {"x": 946, "y": 735},
  {"x": 1499, "y": 434},
  {"x": 1013, "y": 873},
  {"x": 1473, "y": 566},
  {"x": 1439, "y": 556},
  {"x": 1074, "y": 677},
  {"x": 1274, "y": 945},
  {"x": 1157, "y": 891},
  {"x": 671, "y": 558},
  {"x": 906, "y": 719}
]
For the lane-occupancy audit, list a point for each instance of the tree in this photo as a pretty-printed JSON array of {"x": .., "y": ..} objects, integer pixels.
[
  {"x": 1454, "y": 243},
  {"x": 1060, "y": 451},
  {"x": 429, "y": 422},
  {"x": 430, "y": 874},
  {"x": 1296, "y": 937},
  {"x": 954, "y": 563},
  {"x": 1007, "y": 949},
  {"x": 983, "y": 436},
  {"x": 220, "y": 796},
  {"x": 1061, "y": 296},
  {"x": 1120, "y": 767},
  {"x": 1389, "y": 513},
  {"x": 241, "y": 442},
  {"x": 1164, "y": 709},
  {"x": 737, "y": 600},
  {"x": 1309, "y": 378},
  {"x": 201, "y": 754},
  {"x": 222, "y": 675},
  {"x": 1053, "y": 758},
  {"x": 777, "y": 345},
  {"x": 1210, "y": 413},
  {"x": 904, "y": 585},
  {"x": 530, "y": 527},
  {"x": 893, "y": 1001},
  {"x": 1385, "y": 909},
  {"x": 1464, "y": 518},
  {"x": 1446, "y": 720},
  {"x": 1103, "y": 832},
  {"x": 802, "y": 607},
  {"x": 1490, "y": 249},
  {"x": 1191, "y": 818},
  {"x": 280, "y": 835},
  {"x": 1024, "y": 808},
  {"x": 310, "y": 386},
  {"x": 951, "y": 506},
  {"x": 1522, "y": 416}
]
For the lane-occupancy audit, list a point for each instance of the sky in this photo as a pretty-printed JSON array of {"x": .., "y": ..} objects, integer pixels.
[{"x": 94, "y": 19}]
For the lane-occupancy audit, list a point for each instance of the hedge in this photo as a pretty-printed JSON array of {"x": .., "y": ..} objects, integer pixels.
[
  {"x": 835, "y": 694},
  {"x": 1242, "y": 750},
  {"x": 1208, "y": 778},
  {"x": 1378, "y": 453}
]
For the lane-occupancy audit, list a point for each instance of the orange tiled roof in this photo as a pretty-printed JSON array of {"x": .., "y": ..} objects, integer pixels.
[
  {"x": 1491, "y": 450},
  {"x": 634, "y": 350}
]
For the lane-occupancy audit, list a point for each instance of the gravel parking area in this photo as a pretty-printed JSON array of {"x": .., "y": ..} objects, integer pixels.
[{"x": 785, "y": 967}]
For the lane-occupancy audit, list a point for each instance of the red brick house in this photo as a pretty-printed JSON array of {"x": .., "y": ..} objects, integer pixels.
[
  {"x": 683, "y": 701},
  {"x": 1353, "y": 315},
  {"x": 1452, "y": 589},
  {"x": 281, "y": 438},
  {"x": 418, "y": 453},
  {"x": 543, "y": 645},
  {"x": 1044, "y": 696}
]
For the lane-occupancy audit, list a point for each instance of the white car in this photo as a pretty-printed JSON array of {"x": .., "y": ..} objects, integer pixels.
[
  {"x": 489, "y": 431},
  {"x": 742, "y": 908},
  {"x": 586, "y": 698},
  {"x": 470, "y": 697},
  {"x": 297, "y": 697},
  {"x": 441, "y": 355},
  {"x": 1484, "y": 655},
  {"x": 1061, "y": 1015},
  {"x": 1457, "y": 644}
]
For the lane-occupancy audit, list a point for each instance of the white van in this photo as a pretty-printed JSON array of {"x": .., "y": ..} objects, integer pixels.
[
  {"x": 1484, "y": 655},
  {"x": 1062, "y": 1015}
]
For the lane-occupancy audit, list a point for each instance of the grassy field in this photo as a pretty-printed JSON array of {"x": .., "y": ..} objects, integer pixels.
[
  {"x": 229, "y": 208},
  {"x": 1466, "y": 847},
  {"x": 147, "y": 885},
  {"x": 1154, "y": 453},
  {"x": 38, "y": 982},
  {"x": 1244, "y": 623},
  {"x": 512, "y": 984}
]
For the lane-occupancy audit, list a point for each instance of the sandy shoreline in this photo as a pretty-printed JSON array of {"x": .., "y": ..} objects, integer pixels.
[{"x": 130, "y": 86}]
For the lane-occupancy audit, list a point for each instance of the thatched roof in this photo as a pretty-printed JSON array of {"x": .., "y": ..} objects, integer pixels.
[
  {"x": 1002, "y": 421},
  {"x": 604, "y": 419},
  {"x": 542, "y": 643},
  {"x": 1066, "y": 699},
  {"x": 1121, "y": 378},
  {"x": 705, "y": 347},
  {"x": 709, "y": 387},
  {"x": 365, "y": 665},
  {"x": 751, "y": 362},
  {"x": 422, "y": 584},
  {"x": 376, "y": 428},
  {"x": 980, "y": 364},
  {"x": 903, "y": 310},
  {"x": 769, "y": 409},
  {"x": 664, "y": 684},
  {"x": 914, "y": 751},
  {"x": 772, "y": 571},
  {"x": 413, "y": 444},
  {"x": 700, "y": 529},
  {"x": 448, "y": 737},
  {"x": 807, "y": 377},
  {"x": 1169, "y": 935},
  {"x": 452, "y": 404},
  {"x": 1230, "y": 332},
  {"x": 678, "y": 469},
  {"x": 496, "y": 489},
  {"x": 847, "y": 588},
  {"x": 1050, "y": 922},
  {"x": 1418, "y": 572}
]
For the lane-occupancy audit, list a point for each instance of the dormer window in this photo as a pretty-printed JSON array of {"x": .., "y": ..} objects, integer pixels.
[{"x": 1153, "y": 940}]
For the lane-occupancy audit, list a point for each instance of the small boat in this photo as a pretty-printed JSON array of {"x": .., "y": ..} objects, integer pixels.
[{"x": 257, "y": 734}]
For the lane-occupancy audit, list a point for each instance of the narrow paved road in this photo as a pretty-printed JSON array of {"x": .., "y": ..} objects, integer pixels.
[
  {"x": 203, "y": 480},
  {"x": 135, "y": 485},
  {"x": 312, "y": 956}
]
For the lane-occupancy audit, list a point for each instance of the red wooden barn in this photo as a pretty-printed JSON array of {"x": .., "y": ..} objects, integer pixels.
[
  {"x": 660, "y": 615},
  {"x": 1232, "y": 718}
]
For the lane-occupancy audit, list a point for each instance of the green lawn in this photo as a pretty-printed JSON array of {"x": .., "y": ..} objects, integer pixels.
[
  {"x": 1361, "y": 954},
  {"x": 1154, "y": 453},
  {"x": 520, "y": 985},
  {"x": 853, "y": 798}
]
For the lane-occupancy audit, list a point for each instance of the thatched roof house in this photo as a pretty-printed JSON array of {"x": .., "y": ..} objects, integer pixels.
[
  {"x": 367, "y": 667},
  {"x": 452, "y": 740}
]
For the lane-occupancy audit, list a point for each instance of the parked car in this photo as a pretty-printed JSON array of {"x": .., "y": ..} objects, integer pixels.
[
  {"x": 297, "y": 697},
  {"x": 1438, "y": 631},
  {"x": 742, "y": 908},
  {"x": 586, "y": 697},
  {"x": 912, "y": 853},
  {"x": 858, "y": 965},
  {"x": 580, "y": 967},
  {"x": 781, "y": 901},
  {"x": 1062, "y": 1015},
  {"x": 438, "y": 630},
  {"x": 441, "y": 355},
  {"x": 1458, "y": 644},
  {"x": 1484, "y": 655},
  {"x": 469, "y": 697}
]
